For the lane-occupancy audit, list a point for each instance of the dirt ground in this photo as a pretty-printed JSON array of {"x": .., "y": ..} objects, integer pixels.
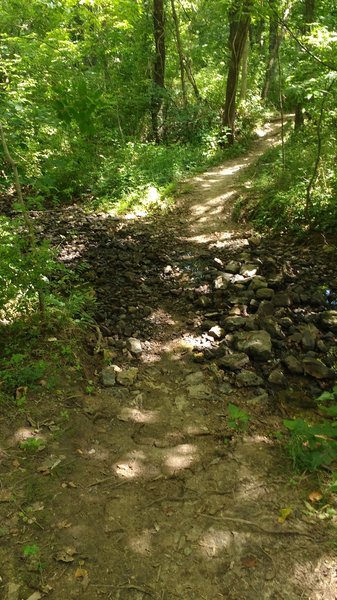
[{"x": 143, "y": 490}]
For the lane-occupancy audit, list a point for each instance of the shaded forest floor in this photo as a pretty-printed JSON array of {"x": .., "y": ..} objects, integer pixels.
[{"x": 142, "y": 486}]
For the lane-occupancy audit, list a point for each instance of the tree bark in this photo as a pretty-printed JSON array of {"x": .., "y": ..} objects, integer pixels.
[
  {"x": 180, "y": 52},
  {"x": 275, "y": 38},
  {"x": 244, "y": 71},
  {"x": 158, "y": 67},
  {"x": 308, "y": 18},
  {"x": 239, "y": 19}
]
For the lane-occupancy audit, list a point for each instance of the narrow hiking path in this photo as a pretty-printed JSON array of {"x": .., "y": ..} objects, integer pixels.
[{"x": 143, "y": 489}]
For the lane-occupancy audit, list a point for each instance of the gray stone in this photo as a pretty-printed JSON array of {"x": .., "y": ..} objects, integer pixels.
[
  {"x": 204, "y": 301},
  {"x": 216, "y": 332},
  {"x": 108, "y": 376},
  {"x": 134, "y": 345},
  {"x": 277, "y": 377},
  {"x": 127, "y": 377},
  {"x": 293, "y": 365},
  {"x": 233, "y": 362},
  {"x": 257, "y": 344},
  {"x": 328, "y": 320},
  {"x": 263, "y": 397},
  {"x": 264, "y": 294},
  {"x": 248, "y": 379},
  {"x": 315, "y": 368}
]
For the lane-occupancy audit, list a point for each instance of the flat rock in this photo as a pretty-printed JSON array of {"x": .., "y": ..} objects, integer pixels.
[
  {"x": 134, "y": 345},
  {"x": 293, "y": 365},
  {"x": 282, "y": 299},
  {"x": 277, "y": 377},
  {"x": 248, "y": 379},
  {"x": 127, "y": 377},
  {"x": 233, "y": 323},
  {"x": 233, "y": 267},
  {"x": 221, "y": 282},
  {"x": 108, "y": 376},
  {"x": 309, "y": 337},
  {"x": 257, "y": 344},
  {"x": 217, "y": 332},
  {"x": 200, "y": 391},
  {"x": 264, "y": 293},
  {"x": 233, "y": 362},
  {"x": 315, "y": 368}
]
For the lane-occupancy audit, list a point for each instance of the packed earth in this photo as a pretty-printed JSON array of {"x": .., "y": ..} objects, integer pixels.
[{"x": 144, "y": 483}]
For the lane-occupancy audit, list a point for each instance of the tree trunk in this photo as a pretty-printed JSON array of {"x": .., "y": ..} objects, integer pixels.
[
  {"x": 180, "y": 52},
  {"x": 158, "y": 67},
  {"x": 275, "y": 38},
  {"x": 239, "y": 19},
  {"x": 308, "y": 18},
  {"x": 244, "y": 71}
]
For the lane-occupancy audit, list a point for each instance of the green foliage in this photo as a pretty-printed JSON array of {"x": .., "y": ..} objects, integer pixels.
[
  {"x": 238, "y": 419},
  {"x": 31, "y": 551},
  {"x": 312, "y": 446},
  {"x": 32, "y": 445}
]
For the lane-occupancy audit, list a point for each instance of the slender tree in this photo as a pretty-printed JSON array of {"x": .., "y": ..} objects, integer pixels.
[
  {"x": 239, "y": 20},
  {"x": 158, "y": 67}
]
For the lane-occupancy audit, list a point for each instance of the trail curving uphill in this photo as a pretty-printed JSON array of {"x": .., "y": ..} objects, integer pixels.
[{"x": 157, "y": 494}]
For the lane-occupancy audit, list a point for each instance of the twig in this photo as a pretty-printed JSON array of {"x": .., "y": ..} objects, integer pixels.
[
  {"x": 132, "y": 586},
  {"x": 257, "y": 526}
]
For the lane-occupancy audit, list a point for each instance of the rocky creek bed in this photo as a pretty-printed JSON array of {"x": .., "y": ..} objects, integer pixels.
[{"x": 146, "y": 492}]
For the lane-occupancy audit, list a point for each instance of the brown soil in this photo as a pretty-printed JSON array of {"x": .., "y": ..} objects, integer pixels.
[{"x": 145, "y": 492}]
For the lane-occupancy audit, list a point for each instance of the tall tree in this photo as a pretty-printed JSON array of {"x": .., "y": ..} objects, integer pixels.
[
  {"x": 158, "y": 67},
  {"x": 308, "y": 17},
  {"x": 239, "y": 20}
]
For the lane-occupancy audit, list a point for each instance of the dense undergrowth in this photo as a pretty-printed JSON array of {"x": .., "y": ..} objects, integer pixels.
[{"x": 278, "y": 198}]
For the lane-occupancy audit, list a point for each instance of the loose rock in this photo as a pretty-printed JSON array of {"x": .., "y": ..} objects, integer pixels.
[{"x": 257, "y": 344}]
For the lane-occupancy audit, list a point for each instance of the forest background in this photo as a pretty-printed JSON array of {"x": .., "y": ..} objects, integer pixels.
[{"x": 109, "y": 103}]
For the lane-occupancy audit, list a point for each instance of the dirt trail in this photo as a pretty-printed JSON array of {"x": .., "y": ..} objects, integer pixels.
[{"x": 151, "y": 494}]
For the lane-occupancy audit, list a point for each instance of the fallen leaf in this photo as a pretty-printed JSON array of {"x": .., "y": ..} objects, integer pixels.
[
  {"x": 284, "y": 514},
  {"x": 63, "y": 524},
  {"x": 21, "y": 392},
  {"x": 5, "y": 496},
  {"x": 80, "y": 573},
  {"x": 249, "y": 562},
  {"x": 35, "y": 596},
  {"x": 315, "y": 496},
  {"x": 66, "y": 555}
]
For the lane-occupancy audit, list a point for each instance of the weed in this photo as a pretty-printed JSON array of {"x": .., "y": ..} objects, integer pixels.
[
  {"x": 30, "y": 551},
  {"x": 237, "y": 419},
  {"x": 33, "y": 445}
]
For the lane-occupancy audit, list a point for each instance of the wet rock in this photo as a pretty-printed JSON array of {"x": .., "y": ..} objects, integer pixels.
[
  {"x": 134, "y": 345},
  {"x": 248, "y": 379},
  {"x": 233, "y": 362},
  {"x": 282, "y": 299},
  {"x": 126, "y": 377},
  {"x": 257, "y": 344},
  {"x": 273, "y": 328},
  {"x": 257, "y": 283},
  {"x": 264, "y": 293},
  {"x": 328, "y": 320},
  {"x": 309, "y": 337},
  {"x": 266, "y": 309},
  {"x": 233, "y": 323},
  {"x": 293, "y": 365},
  {"x": 315, "y": 368},
  {"x": 108, "y": 376},
  {"x": 277, "y": 377},
  {"x": 233, "y": 267}
]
